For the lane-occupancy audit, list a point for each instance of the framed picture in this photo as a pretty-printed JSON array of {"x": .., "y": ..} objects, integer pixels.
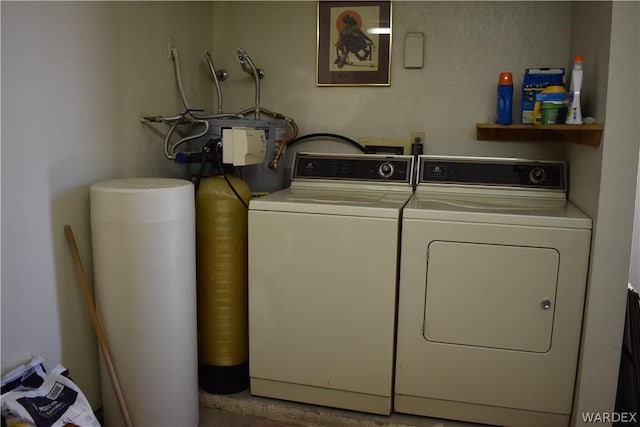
[{"x": 354, "y": 43}]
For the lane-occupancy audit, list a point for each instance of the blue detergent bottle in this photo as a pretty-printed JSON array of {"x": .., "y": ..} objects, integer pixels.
[{"x": 505, "y": 99}]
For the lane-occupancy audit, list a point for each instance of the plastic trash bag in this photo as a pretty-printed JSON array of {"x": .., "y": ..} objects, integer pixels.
[
  {"x": 25, "y": 377},
  {"x": 31, "y": 397}
]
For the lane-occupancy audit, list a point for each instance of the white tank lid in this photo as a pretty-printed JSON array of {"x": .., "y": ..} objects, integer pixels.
[{"x": 142, "y": 200}]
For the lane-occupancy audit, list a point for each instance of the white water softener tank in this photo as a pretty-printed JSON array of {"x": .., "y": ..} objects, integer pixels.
[{"x": 143, "y": 233}]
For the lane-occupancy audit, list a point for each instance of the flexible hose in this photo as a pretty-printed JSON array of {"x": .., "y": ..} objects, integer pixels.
[
  {"x": 192, "y": 137},
  {"x": 328, "y": 135},
  {"x": 249, "y": 67},
  {"x": 169, "y": 152},
  {"x": 266, "y": 111},
  {"x": 244, "y": 61},
  {"x": 206, "y": 149},
  {"x": 167, "y": 137},
  {"x": 176, "y": 67},
  {"x": 216, "y": 80},
  {"x": 273, "y": 164}
]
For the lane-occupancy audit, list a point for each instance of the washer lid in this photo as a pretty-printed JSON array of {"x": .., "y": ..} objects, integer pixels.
[
  {"x": 541, "y": 212},
  {"x": 333, "y": 202}
]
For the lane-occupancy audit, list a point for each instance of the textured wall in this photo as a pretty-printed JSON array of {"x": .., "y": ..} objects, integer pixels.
[{"x": 467, "y": 45}]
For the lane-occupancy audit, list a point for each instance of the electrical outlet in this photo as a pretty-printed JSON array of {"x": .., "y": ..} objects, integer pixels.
[
  {"x": 417, "y": 137},
  {"x": 171, "y": 44}
]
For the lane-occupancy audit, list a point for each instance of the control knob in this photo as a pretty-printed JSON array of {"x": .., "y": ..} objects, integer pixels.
[
  {"x": 386, "y": 170},
  {"x": 537, "y": 175}
]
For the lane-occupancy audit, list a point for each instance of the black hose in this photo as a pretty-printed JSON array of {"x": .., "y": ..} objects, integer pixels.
[
  {"x": 200, "y": 175},
  {"x": 224, "y": 175},
  {"x": 206, "y": 149},
  {"x": 328, "y": 135}
]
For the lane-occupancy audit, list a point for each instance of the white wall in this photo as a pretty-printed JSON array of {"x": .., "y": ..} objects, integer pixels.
[
  {"x": 590, "y": 37},
  {"x": 618, "y": 171},
  {"x": 76, "y": 77}
]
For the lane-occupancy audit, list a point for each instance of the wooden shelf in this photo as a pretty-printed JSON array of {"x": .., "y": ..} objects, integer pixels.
[{"x": 579, "y": 134}]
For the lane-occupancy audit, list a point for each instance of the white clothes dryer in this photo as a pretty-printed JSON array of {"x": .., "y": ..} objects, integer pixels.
[
  {"x": 492, "y": 286},
  {"x": 323, "y": 272}
]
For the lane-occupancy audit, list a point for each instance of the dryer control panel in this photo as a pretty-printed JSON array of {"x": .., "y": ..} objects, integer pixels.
[
  {"x": 493, "y": 172},
  {"x": 366, "y": 167}
]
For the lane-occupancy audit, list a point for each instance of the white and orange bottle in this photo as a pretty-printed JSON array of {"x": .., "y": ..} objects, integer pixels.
[{"x": 574, "y": 115}]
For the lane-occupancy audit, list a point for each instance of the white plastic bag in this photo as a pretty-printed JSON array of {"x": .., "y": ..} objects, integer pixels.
[
  {"x": 55, "y": 402},
  {"x": 25, "y": 377}
]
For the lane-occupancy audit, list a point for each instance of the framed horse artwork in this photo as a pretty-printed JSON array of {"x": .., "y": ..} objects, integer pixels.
[{"x": 354, "y": 43}]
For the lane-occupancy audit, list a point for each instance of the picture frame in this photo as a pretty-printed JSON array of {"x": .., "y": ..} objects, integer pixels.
[{"x": 353, "y": 43}]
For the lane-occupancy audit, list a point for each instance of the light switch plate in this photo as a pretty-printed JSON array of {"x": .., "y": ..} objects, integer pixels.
[{"x": 414, "y": 50}]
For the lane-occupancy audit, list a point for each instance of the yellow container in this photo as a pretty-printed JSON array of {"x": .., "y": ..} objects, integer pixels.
[{"x": 549, "y": 104}]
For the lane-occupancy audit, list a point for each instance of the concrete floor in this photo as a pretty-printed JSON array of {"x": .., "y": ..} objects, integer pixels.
[
  {"x": 244, "y": 410},
  {"x": 217, "y": 418}
]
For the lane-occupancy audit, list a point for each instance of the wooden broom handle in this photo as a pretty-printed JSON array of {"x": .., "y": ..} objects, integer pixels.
[{"x": 102, "y": 343}]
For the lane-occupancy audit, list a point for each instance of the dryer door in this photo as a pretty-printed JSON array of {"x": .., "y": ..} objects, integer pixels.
[
  {"x": 490, "y": 295},
  {"x": 486, "y": 341}
]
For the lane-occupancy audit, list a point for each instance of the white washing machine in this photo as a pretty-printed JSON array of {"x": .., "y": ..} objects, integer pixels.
[
  {"x": 492, "y": 286},
  {"x": 323, "y": 274}
]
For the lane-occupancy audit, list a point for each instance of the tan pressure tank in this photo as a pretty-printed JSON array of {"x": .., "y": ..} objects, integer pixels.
[{"x": 221, "y": 254}]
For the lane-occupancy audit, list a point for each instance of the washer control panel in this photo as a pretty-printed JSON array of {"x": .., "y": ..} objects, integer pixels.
[
  {"x": 354, "y": 167},
  {"x": 493, "y": 172}
]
